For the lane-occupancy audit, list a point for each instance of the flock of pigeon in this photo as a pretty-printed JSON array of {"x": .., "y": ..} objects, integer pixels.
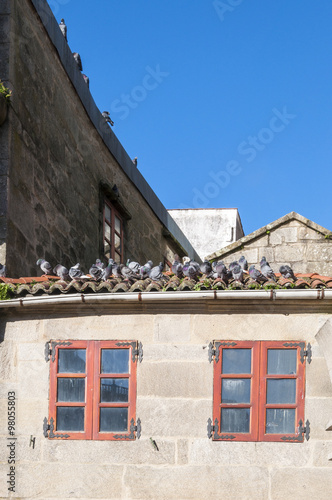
[{"x": 186, "y": 268}]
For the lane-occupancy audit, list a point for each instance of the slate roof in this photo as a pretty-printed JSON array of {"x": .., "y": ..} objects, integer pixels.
[{"x": 52, "y": 285}]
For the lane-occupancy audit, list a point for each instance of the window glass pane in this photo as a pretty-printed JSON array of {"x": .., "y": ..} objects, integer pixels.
[
  {"x": 71, "y": 389},
  {"x": 70, "y": 418},
  {"x": 107, "y": 250},
  {"x": 281, "y": 361},
  {"x": 114, "y": 390},
  {"x": 117, "y": 258},
  {"x": 107, "y": 213},
  {"x": 236, "y": 361},
  {"x": 117, "y": 224},
  {"x": 235, "y": 419},
  {"x": 279, "y": 421},
  {"x": 281, "y": 391},
  {"x": 114, "y": 361},
  {"x": 117, "y": 243},
  {"x": 107, "y": 231},
  {"x": 235, "y": 390},
  {"x": 113, "y": 419},
  {"x": 71, "y": 361}
]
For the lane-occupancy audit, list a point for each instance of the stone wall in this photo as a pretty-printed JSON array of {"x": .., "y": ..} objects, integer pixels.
[
  {"x": 292, "y": 240},
  {"x": 60, "y": 154},
  {"x": 174, "y": 402}
]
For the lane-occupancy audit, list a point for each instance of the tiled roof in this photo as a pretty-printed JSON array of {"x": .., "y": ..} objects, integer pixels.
[{"x": 52, "y": 285}]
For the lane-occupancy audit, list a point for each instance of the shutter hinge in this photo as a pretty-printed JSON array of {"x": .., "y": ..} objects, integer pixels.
[
  {"x": 304, "y": 431},
  {"x": 214, "y": 349},
  {"x": 50, "y": 349},
  {"x": 133, "y": 428},
  {"x": 304, "y": 353},
  {"x": 48, "y": 430},
  {"x": 137, "y": 349},
  {"x": 212, "y": 430}
]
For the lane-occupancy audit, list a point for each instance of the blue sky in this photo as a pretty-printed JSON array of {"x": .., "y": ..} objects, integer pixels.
[{"x": 225, "y": 103}]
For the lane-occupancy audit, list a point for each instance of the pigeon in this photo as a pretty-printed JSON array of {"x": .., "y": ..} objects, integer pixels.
[
  {"x": 134, "y": 266},
  {"x": 86, "y": 79},
  {"x": 237, "y": 273},
  {"x": 243, "y": 263},
  {"x": 78, "y": 60},
  {"x": 177, "y": 267},
  {"x": 100, "y": 264},
  {"x": 61, "y": 271},
  {"x": 206, "y": 268},
  {"x": 135, "y": 161},
  {"x": 128, "y": 273},
  {"x": 220, "y": 270},
  {"x": 267, "y": 270},
  {"x": 107, "y": 117},
  {"x": 156, "y": 272},
  {"x": 287, "y": 272},
  {"x": 144, "y": 270},
  {"x": 44, "y": 266},
  {"x": 2, "y": 271},
  {"x": 233, "y": 264},
  {"x": 106, "y": 273},
  {"x": 191, "y": 269},
  {"x": 75, "y": 273},
  {"x": 116, "y": 270},
  {"x": 63, "y": 28},
  {"x": 96, "y": 272},
  {"x": 256, "y": 275}
]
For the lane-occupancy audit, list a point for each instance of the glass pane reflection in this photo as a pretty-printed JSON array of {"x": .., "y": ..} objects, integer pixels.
[
  {"x": 115, "y": 361},
  {"x": 117, "y": 224},
  {"x": 70, "y": 418},
  {"x": 236, "y": 361},
  {"x": 71, "y": 389},
  {"x": 113, "y": 419},
  {"x": 235, "y": 419},
  {"x": 107, "y": 232},
  {"x": 107, "y": 213},
  {"x": 114, "y": 390},
  {"x": 281, "y": 391},
  {"x": 71, "y": 361},
  {"x": 281, "y": 361},
  {"x": 235, "y": 390},
  {"x": 279, "y": 421},
  {"x": 117, "y": 243}
]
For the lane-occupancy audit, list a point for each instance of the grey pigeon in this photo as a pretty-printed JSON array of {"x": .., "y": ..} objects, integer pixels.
[
  {"x": 220, "y": 270},
  {"x": 256, "y": 275},
  {"x": 287, "y": 272},
  {"x": 177, "y": 267},
  {"x": 100, "y": 264},
  {"x": 75, "y": 273},
  {"x": 78, "y": 60},
  {"x": 96, "y": 271},
  {"x": 267, "y": 271},
  {"x": 116, "y": 270},
  {"x": 134, "y": 266},
  {"x": 145, "y": 270},
  {"x": 237, "y": 273},
  {"x": 86, "y": 79},
  {"x": 107, "y": 117},
  {"x": 44, "y": 266},
  {"x": 135, "y": 161},
  {"x": 206, "y": 268},
  {"x": 61, "y": 271},
  {"x": 63, "y": 28},
  {"x": 108, "y": 270},
  {"x": 191, "y": 269},
  {"x": 233, "y": 264},
  {"x": 156, "y": 272},
  {"x": 2, "y": 271},
  {"x": 243, "y": 263},
  {"x": 128, "y": 273}
]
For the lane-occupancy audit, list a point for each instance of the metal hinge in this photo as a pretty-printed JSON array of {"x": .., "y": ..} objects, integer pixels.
[
  {"x": 48, "y": 430},
  {"x": 214, "y": 349},
  {"x": 213, "y": 430},
  {"x": 304, "y": 353},
  {"x": 50, "y": 349},
  {"x": 303, "y": 432},
  {"x": 137, "y": 351},
  {"x": 133, "y": 428}
]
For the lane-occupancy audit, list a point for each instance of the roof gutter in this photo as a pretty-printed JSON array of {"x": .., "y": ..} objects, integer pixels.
[{"x": 103, "y": 298}]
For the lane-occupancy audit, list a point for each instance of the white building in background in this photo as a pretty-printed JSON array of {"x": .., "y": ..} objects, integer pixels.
[{"x": 209, "y": 228}]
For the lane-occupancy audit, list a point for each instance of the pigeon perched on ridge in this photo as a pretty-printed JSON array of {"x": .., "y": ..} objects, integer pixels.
[
  {"x": 2, "y": 271},
  {"x": 237, "y": 273},
  {"x": 107, "y": 117},
  {"x": 75, "y": 273},
  {"x": 256, "y": 275},
  {"x": 177, "y": 266},
  {"x": 135, "y": 161},
  {"x": 156, "y": 272},
  {"x": 44, "y": 266},
  {"x": 78, "y": 60},
  {"x": 63, "y": 28},
  {"x": 206, "y": 268},
  {"x": 243, "y": 263},
  {"x": 287, "y": 272},
  {"x": 86, "y": 79},
  {"x": 144, "y": 270},
  {"x": 267, "y": 271},
  {"x": 61, "y": 271}
]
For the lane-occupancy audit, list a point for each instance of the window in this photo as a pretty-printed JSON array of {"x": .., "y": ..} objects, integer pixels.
[
  {"x": 258, "y": 391},
  {"x": 93, "y": 389},
  {"x": 112, "y": 233}
]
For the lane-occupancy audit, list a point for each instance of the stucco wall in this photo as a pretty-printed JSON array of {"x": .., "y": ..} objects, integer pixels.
[
  {"x": 58, "y": 159},
  {"x": 174, "y": 402}
]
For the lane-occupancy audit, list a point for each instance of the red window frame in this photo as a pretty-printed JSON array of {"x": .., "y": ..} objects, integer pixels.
[
  {"x": 258, "y": 392},
  {"x": 92, "y": 378},
  {"x": 110, "y": 223}
]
